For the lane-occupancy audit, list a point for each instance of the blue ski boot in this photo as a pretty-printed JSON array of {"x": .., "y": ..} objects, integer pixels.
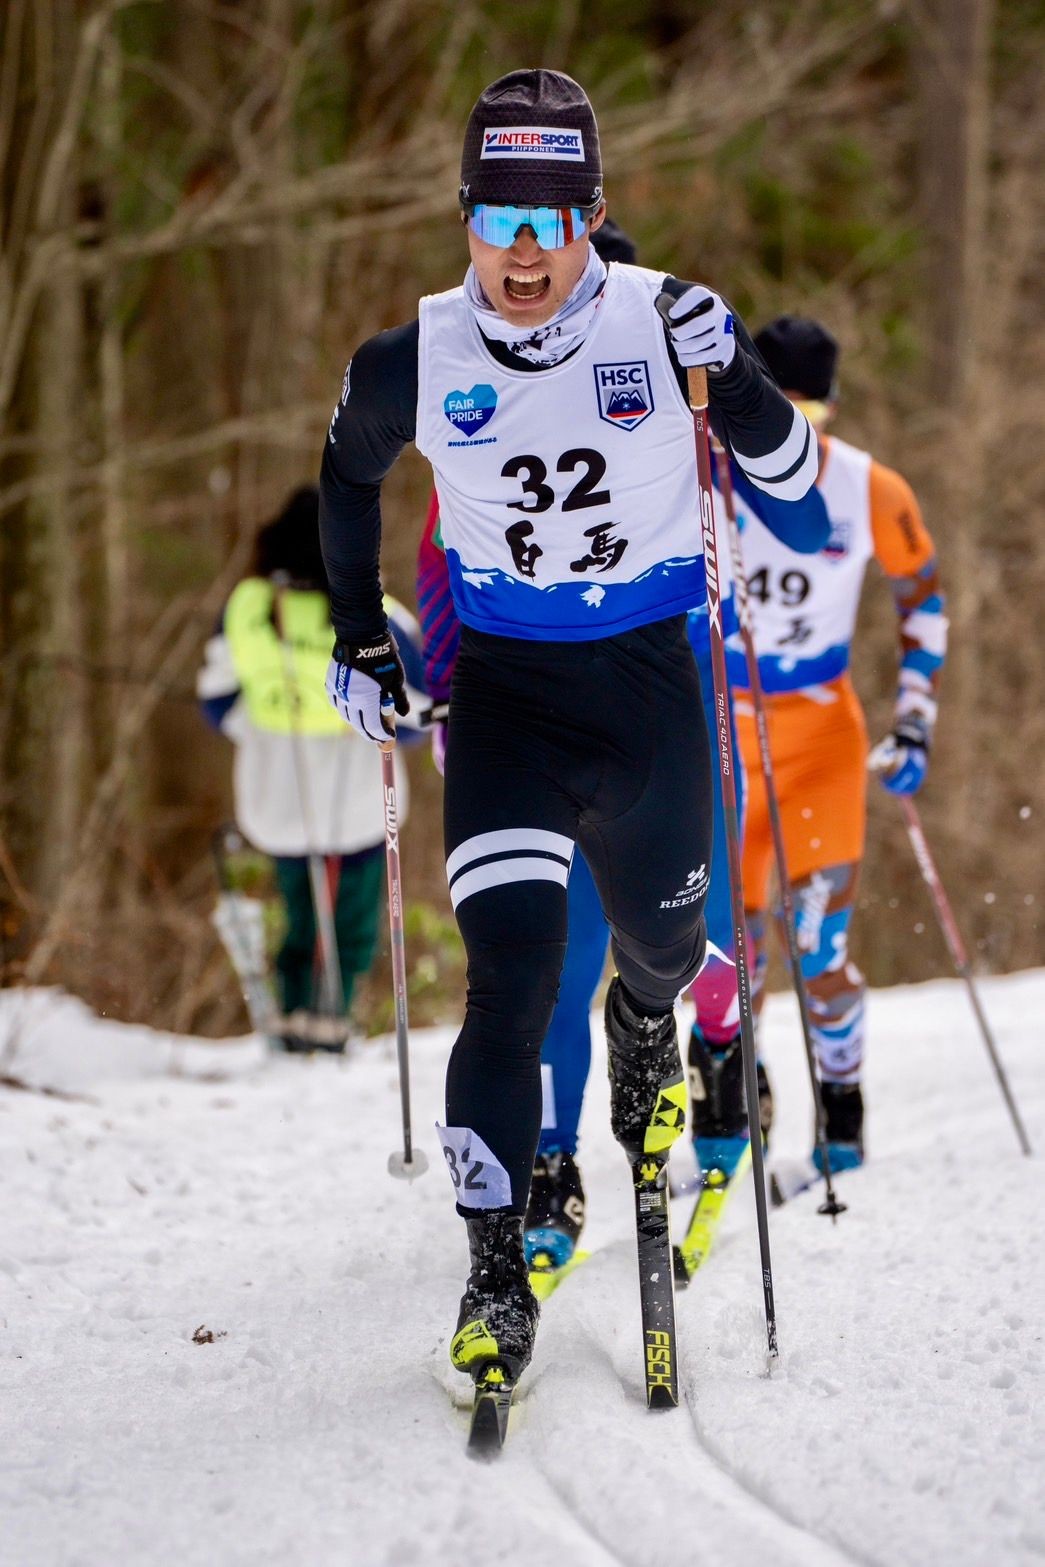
[
  {"x": 843, "y": 1127},
  {"x": 555, "y": 1213}
]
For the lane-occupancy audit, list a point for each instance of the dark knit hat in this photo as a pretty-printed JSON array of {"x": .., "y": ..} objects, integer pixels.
[
  {"x": 611, "y": 243},
  {"x": 289, "y": 544},
  {"x": 532, "y": 141},
  {"x": 801, "y": 354}
]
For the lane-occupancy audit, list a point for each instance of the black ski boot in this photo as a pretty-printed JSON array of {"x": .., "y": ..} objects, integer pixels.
[
  {"x": 498, "y": 1317},
  {"x": 718, "y": 1104},
  {"x": 647, "y": 1087},
  {"x": 843, "y": 1126},
  {"x": 555, "y": 1214},
  {"x": 718, "y": 1101}
]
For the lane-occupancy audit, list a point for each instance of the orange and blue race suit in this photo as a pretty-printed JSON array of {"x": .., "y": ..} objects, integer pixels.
[{"x": 804, "y": 612}]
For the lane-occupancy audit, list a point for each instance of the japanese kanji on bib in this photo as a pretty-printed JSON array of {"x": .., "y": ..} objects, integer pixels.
[
  {"x": 567, "y": 496},
  {"x": 804, "y": 606}
]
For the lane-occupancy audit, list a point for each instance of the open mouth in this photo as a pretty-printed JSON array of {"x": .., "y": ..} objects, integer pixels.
[{"x": 527, "y": 285}]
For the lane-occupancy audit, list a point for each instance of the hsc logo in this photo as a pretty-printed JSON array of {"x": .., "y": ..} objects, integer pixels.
[
  {"x": 837, "y": 546},
  {"x": 624, "y": 393},
  {"x": 469, "y": 411}
]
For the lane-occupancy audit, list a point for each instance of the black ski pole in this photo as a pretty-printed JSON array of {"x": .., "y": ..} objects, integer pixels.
[
  {"x": 831, "y": 1206},
  {"x": 412, "y": 1161},
  {"x": 698, "y": 402},
  {"x": 951, "y": 934}
]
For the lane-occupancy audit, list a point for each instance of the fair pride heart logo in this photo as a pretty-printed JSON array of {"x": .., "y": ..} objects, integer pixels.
[{"x": 468, "y": 412}]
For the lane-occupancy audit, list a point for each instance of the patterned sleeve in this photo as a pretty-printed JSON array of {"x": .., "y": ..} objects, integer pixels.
[
  {"x": 440, "y": 627},
  {"x": 905, "y": 552}
]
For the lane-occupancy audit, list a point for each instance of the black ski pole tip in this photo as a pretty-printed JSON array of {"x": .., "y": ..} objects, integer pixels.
[{"x": 832, "y": 1207}]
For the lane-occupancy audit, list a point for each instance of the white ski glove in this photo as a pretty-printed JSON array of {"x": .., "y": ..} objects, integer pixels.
[
  {"x": 701, "y": 329},
  {"x": 365, "y": 685}
]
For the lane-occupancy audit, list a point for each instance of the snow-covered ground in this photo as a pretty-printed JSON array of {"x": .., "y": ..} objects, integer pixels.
[{"x": 186, "y": 1186}]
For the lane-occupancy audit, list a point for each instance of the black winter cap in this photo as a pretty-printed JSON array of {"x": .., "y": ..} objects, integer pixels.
[
  {"x": 532, "y": 141},
  {"x": 290, "y": 542},
  {"x": 801, "y": 354},
  {"x": 611, "y": 243}
]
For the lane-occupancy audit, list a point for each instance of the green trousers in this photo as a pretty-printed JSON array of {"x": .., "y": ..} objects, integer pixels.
[{"x": 359, "y": 878}]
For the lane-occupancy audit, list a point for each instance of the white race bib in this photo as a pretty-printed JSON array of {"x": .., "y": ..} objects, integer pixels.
[{"x": 568, "y": 495}]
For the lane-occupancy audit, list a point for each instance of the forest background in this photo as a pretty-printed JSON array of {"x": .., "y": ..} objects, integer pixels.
[{"x": 206, "y": 204}]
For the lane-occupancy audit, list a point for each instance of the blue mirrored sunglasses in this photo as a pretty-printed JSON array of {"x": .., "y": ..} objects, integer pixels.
[{"x": 553, "y": 226}]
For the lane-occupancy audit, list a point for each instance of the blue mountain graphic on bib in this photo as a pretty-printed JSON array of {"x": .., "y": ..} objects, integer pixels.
[
  {"x": 469, "y": 411},
  {"x": 490, "y": 599},
  {"x": 779, "y": 673},
  {"x": 626, "y": 405}
]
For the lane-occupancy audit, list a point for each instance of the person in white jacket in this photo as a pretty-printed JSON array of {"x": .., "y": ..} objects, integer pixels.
[{"x": 305, "y": 787}]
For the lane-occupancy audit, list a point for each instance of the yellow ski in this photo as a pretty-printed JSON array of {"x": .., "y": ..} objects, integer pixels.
[
  {"x": 706, "y": 1221},
  {"x": 545, "y": 1281}
]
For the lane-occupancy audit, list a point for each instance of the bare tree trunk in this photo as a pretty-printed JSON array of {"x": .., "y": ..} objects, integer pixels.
[
  {"x": 116, "y": 548},
  {"x": 116, "y": 642},
  {"x": 953, "y": 83},
  {"x": 58, "y": 376},
  {"x": 952, "y": 62}
]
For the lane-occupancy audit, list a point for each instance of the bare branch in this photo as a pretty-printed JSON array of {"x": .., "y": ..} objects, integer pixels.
[
  {"x": 172, "y": 642},
  {"x": 56, "y": 169},
  {"x": 50, "y": 252},
  {"x": 464, "y": 24},
  {"x": 26, "y": 175},
  {"x": 10, "y": 63},
  {"x": 23, "y": 897},
  {"x": 194, "y": 103},
  {"x": 276, "y": 427}
]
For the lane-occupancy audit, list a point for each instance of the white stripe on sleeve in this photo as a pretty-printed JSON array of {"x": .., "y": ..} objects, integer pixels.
[
  {"x": 771, "y": 472},
  {"x": 928, "y": 628}
]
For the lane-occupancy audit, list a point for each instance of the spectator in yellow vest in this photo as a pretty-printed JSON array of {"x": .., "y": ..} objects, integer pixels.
[{"x": 304, "y": 784}]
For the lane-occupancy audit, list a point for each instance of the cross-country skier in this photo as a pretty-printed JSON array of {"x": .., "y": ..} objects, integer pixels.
[
  {"x": 547, "y": 394},
  {"x": 556, "y": 1210},
  {"x": 302, "y": 784},
  {"x": 557, "y": 1205},
  {"x": 804, "y": 612}
]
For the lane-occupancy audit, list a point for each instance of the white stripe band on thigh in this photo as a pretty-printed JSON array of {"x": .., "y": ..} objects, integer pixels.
[
  {"x": 520, "y": 839},
  {"x": 498, "y": 873}
]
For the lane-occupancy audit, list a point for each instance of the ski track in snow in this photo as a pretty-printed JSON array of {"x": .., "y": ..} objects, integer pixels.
[{"x": 188, "y": 1184}]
